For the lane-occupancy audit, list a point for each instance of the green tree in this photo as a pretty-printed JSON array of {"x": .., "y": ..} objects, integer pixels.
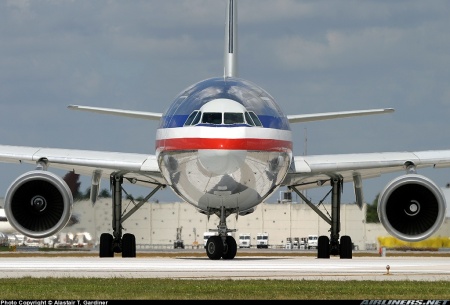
[
  {"x": 86, "y": 194},
  {"x": 104, "y": 193},
  {"x": 372, "y": 211},
  {"x": 73, "y": 183}
]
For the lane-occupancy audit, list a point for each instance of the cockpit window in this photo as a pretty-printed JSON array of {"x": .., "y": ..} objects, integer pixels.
[
  {"x": 212, "y": 117},
  {"x": 255, "y": 118},
  {"x": 197, "y": 118},
  {"x": 233, "y": 118},
  {"x": 191, "y": 118},
  {"x": 249, "y": 119},
  {"x": 229, "y": 118}
]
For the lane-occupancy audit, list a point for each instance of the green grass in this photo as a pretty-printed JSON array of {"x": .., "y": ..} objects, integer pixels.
[{"x": 174, "y": 289}]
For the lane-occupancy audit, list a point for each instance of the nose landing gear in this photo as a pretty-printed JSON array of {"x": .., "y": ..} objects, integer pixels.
[{"x": 222, "y": 245}]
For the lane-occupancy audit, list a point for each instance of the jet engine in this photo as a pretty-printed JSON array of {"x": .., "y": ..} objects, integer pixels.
[
  {"x": 411, "y": 207},
  {"x": 38, "y": 204}
]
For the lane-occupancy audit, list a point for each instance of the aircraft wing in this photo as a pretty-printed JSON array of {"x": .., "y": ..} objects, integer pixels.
[
  {"x": 140, "y": 167},
  {"x": 315, "y": 170}
]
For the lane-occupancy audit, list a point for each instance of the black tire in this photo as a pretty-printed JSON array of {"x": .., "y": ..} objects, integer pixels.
[
  {"x": 345, "y": 247},
  {"x": 214, "y": 247},
  {"x": 231, "y": 248},
  {"x": 323, "y": 247},
  {"x": 106, "y": 241},
  {"x": 128, "y": 245}
]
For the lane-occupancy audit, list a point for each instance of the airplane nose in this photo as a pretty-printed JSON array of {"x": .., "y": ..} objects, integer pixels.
[{"x": 221, "y": 162}]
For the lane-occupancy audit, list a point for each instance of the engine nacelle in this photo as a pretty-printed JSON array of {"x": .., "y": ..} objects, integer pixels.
[
  {"x": 38, "y": 204},
  {"x": 411, "y": 207}
]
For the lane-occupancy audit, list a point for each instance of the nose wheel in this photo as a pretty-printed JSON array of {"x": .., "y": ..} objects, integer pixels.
[
  {"x": 230, "y": 249},
  {"x": 216, "y": 248}
]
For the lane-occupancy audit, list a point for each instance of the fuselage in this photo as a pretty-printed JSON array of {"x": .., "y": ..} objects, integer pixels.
[{"x": 224, "y": 142}]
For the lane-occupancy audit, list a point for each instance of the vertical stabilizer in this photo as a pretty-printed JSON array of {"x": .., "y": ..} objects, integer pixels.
[{"x": 230, "y": 56}]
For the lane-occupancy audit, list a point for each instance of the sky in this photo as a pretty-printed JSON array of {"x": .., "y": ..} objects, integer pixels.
[{"x": 311, "y": 56}]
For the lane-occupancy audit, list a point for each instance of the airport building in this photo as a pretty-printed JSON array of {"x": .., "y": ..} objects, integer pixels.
[{"x": 158, "y": 225}]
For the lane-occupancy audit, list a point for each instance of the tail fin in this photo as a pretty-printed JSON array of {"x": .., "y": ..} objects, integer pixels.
[{"x": 230, "y": 56}]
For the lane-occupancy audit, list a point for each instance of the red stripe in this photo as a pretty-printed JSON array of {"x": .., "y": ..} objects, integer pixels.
[{"x": 233, "y": 144}]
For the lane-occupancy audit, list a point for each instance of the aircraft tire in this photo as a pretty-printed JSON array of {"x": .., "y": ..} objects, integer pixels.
[
  {"x": 106, "y": 241},
  {"x": 128, "y": 245},
  {"x": 345, "y": 247},
  {"x": 231, "y": 248},
  {"x": 323, "y": 247},
  {"x": 214, "y": 247}
]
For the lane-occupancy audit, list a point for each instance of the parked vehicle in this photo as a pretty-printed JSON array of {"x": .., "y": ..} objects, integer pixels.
[
  {"x": 178, "y": 243},
  {"x": 303, "y": 243},
  {"x": 288, "y": 243},
  {"x": 296, "y": 243},
  {"x": 262, "y": 240},
  {"x": 312, "y": 241},
  {"x": 245, "y": 240},
  {"x": 32, "y": 242}
]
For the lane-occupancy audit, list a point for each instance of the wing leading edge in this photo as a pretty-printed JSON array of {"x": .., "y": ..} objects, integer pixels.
[
  {"x": 142, "y": 167},
  {"x": 311, "y": 171}
]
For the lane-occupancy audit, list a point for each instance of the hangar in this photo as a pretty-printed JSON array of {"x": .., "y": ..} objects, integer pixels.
[
  {"x": 157, "y": 224},
  {"x": 160, "y": 224}
]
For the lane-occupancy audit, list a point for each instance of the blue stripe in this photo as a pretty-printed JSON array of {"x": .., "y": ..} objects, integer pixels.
[
  {"x": 176, "y": 121},
  {"x": 251, "y": 96}
]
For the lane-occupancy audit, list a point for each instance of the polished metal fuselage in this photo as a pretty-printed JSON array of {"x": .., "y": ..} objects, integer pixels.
[
  {"x": 249, "y": 177},
  {"x": 214, "y": 165}
]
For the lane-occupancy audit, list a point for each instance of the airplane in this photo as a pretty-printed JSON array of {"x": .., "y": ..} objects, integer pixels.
[
  {"x": 5, "y": 226},
  {"x": 224, "y": 146}
]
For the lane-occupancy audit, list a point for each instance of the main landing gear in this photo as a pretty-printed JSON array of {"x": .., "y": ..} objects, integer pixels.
[
  {"x": 116, "y": 242},
  {"x": 332, "y": 245},
  {"x": 222, "y": 245}
]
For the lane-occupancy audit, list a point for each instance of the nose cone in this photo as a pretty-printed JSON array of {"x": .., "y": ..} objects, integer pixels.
[{"x": 221, "y": 162}]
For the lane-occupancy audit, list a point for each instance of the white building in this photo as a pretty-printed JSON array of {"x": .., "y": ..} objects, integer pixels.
[{"x": 155, "y": 224}]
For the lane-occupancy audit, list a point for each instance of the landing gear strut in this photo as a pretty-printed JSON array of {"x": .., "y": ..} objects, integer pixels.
[
  {"x": 222, "y": 245},
  {"x": 332, "y": 245},
  {"x": 116, "y": 243}
]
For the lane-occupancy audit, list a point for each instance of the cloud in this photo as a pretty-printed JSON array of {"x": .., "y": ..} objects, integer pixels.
[{"x": 312, "y": 56}]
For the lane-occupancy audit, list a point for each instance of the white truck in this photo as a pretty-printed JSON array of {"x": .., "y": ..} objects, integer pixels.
[
  {"x": 262, "y": 240},
  {"x": 296, "y": 243},
  {"x": 245, "y": 240},
  {"x": 288, "y": 243},
  {"x": 312, "y": 241}
]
